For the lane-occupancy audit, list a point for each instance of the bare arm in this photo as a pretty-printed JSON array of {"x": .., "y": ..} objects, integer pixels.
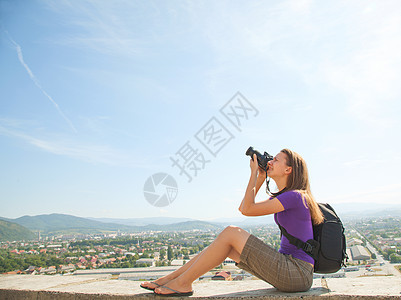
[
  {"x": 248, "y": 206},
  {"x": 250, "y": 192},
  {"x": 261, "y": 179}
]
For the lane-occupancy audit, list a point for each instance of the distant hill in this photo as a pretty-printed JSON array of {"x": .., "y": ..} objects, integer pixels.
[
  {"x": 57, "y": 222},
  {"x": 354, "y": 210},
  {"x": 183, "y": 226},
  {"x": 245, "y": 222},
  {"x": 54, "y": 224},
  {"x": 238, "y": 221},
  {"x": 10, "y": 231},
  {"x": 143, "y": 221},
  {"x": 67, "y": 224}
]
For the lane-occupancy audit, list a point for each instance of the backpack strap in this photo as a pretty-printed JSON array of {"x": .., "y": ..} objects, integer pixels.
[{"x": 310, "y": 247}]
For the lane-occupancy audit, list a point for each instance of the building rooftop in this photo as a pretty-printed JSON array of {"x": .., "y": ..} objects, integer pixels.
[{"x": 109, "y": 286}]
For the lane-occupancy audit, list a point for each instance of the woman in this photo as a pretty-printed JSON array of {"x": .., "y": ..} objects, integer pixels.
[{"x": 289, "y": 269}]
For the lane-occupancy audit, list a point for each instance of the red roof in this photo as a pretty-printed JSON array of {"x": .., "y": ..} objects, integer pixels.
[{"x": 224, "y": 274}]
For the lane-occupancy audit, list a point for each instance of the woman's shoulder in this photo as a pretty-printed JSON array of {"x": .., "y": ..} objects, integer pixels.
[
  {"x": 292, "y": 193},
  {"x": 291, "y": 199}
]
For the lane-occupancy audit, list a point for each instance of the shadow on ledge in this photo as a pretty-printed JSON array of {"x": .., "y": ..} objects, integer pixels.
[{"x": 272, "y": 292}]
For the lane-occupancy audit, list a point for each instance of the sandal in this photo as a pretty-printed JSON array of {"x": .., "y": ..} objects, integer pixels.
[{"x": 175, "y": 293}]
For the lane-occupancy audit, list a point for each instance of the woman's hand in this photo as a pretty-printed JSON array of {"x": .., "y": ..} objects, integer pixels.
[
  {"x": 262, "y": 174},
  {"x": 255, "y": 169},
  {"x": 258, "y": 175},
  {"x": 258, "y": 171},
  {"x": 254, "y": 165}
]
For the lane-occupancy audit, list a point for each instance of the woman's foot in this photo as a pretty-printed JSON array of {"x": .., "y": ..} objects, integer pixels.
[
  {"x": 174, "y": 288},
  {"x": 151, "y": 285}
]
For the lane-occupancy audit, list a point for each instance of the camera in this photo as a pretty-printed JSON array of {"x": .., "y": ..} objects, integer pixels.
[{"x": 263, "y": 159}]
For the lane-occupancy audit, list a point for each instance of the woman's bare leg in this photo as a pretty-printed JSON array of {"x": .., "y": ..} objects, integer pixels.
[
  {"x": 234, "y": 255},
  {"x": 230, "y": 241}
]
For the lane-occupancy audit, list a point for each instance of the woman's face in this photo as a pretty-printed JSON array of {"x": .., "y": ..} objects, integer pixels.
[{"x": 278, "y": 166}]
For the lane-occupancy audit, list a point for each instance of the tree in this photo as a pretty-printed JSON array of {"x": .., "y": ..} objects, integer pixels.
[
  {"x": 163, "y": 254},
  {"x": 395, "y": 258},
  {"x": 169, "y": 253},
  {"x": 387, "y": 253}
]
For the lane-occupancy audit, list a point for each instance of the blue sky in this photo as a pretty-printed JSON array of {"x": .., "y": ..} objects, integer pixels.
[{"x": 96, "y": 96}]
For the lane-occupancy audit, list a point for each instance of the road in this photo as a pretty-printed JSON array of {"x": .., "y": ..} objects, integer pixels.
[{"x": 387, "y": 267}]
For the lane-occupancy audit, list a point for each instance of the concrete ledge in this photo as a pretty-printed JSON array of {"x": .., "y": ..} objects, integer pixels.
[
  {"x": 48, "y": 295},
  {"x": 105, "y": 287}
]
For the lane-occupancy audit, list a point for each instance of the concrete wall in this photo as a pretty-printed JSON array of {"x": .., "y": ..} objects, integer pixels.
[{"x": 47, "y": 295}]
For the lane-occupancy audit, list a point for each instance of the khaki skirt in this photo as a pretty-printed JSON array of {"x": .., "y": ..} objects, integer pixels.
[{"x": 284, "y": 272}]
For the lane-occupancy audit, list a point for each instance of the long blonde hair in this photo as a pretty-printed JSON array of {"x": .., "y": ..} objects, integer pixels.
[{"x": 298, "y": 180}]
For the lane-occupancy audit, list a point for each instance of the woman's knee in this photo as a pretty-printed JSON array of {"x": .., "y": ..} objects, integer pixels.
[
  {"x": 233, "y": 233},
  {"x": 231, "y": 229}
]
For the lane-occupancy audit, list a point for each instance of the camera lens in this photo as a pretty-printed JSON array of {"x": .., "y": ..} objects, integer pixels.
[{"x": 262, "y": 158}]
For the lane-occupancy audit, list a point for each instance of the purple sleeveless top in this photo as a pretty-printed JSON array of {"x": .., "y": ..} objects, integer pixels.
[{"x": 296, "y": 219}]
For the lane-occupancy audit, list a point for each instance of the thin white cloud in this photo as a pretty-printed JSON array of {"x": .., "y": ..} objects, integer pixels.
[
  {"x": 369, "y": 75},
  {"x": 109, "y": 28},
  {"x": 18, "y": 124},
  {"x": 353, "y": 47},
  {"x": 97, "y": 154},
  {"x": 386, "y": 193},
  {"x": 362, "y": 162},
  {"x": 36, "y": 82}
]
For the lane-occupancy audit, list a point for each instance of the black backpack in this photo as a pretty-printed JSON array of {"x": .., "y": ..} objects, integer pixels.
[{"x": 328, "y": 247}]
